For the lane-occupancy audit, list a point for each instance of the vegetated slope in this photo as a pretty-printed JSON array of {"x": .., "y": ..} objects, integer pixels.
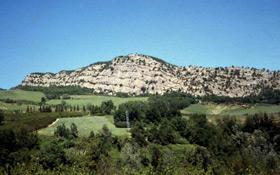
[
  {"x": 137, "y": 74},
  {"x": 16, "y": 107},
  {"x": 233, "y": 110},
  {"x": 85, "y": 125},
  {"x": 83, "y": 100},
  {"x": 21, "y": 95}
]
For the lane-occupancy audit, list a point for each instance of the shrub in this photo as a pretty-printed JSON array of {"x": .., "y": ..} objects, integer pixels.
[
  {"x": 1, "y": 116},
  {"x": 52, "y": 156}
]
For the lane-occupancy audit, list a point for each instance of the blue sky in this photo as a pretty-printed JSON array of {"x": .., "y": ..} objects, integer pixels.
[{"x": 54, "y": 35}]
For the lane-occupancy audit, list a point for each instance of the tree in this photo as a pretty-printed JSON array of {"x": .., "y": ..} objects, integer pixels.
[
  {"x": 52, "y": 156},
  {"x": 107, "y": 106},
  {"x": 74, "y": 130},
  {"x": 100, "y": 147},
  {"x": 91, "y": 135},
  {"x": 138, "y": 133},
  {"x": 7, "y": 146},
  {"x": 131, "y": 156},
  {"x": 1, "y": 116},
  {"x": 63, "y": 103},
  {"x": 43, "y": 100},
  {"x": 156, "y": 156},
  {"x": 62, "y": 131}
]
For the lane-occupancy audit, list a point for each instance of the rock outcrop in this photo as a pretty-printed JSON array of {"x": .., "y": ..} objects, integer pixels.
[{"x": 136, "y": 74}]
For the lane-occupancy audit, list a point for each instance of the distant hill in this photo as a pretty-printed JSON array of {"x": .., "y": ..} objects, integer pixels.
[{"x": 137, "y": 74}]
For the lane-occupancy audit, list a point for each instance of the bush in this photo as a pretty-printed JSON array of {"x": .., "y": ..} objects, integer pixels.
[
  {"x": 121, "y": 94},
  {"x": 120, "y": 124},
  {"x": 105, "y": 108},
  {"x": 52, "y": 156},
  {"x": 1, "y": 116},
  {"x": 51, "y": 96},
  {"x": 66, "y": 96}
]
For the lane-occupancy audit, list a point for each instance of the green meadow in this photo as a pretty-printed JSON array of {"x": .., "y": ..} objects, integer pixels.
[
  {"x": 83, "y": 100},
  {"x": 85, "y": 125},
  {"x": 16, "y": 107},
  {"x": 21, "y": 95}
]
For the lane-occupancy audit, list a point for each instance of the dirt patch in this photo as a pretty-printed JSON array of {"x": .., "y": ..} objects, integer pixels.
[
  {"x": 3, "y": 108},
  {"x": 53, "y": 122}
]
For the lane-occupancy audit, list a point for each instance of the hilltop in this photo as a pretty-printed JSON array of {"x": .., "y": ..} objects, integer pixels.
[{"x": 137, "y": 74}]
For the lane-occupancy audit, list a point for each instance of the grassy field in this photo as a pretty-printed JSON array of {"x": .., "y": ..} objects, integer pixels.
[
  {"x": 83, "y": 100},
  {"x": 21, "y": 95},
  {"x": 14, "y": 106},
  {"x": 85, "y": 125},
  {"x": 212, "y": 109}
]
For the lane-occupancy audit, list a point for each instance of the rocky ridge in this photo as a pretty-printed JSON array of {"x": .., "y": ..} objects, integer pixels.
[{"x": 137, "y": 74}]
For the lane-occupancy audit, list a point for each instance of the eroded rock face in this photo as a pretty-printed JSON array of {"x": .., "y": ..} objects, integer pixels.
[{"x": 136, "y": 74}]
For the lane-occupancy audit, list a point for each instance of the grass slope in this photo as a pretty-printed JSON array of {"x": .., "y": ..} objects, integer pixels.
[
  {"x": 21, "y": 95},
  {"x": 83, "y": 100},
  {"x": 14, "y": 106},
  {"x": 222, "y": 109},
  {"x": 85, "y": 125}
]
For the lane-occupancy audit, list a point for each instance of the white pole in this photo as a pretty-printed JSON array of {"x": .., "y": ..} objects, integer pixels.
[{"x": 127, "y": 120}]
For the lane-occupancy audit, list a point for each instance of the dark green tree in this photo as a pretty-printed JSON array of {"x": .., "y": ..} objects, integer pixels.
[
  {"x": 1, "y": 116},
  {"x": 43, "y": 100},
  {"x": 74, "y": 130},
  {"x": 52, "y": 155}
]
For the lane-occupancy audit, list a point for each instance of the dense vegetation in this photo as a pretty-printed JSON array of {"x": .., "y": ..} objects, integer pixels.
[
  {"x": 173, "y": 146},
  {"x": 166, "y": 106},
  {"x": 161, "y": 142},
  {"x": 33, "y": 121},
  {"x": 105, "y": 108},
  {"x": 54, "y": 92}
]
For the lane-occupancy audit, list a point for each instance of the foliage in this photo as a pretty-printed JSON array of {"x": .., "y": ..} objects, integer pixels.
[
  {"x": 174, "y": 100},
  {"x": 135, "y": 109},
  {"x": 16, "y": 146},
  {"x": 53, "y": 92},
  {"x": 100, "y": 147},
  {"x": 131, "y": 156},
  {"x": 67, "y": 133},
  {"x": 85, "y": 125},
  {"x": 35, "y": 120},
  {"x": 139, "y": 134},
  {"x": 105, "y": 108},
  {"x": 164, "y": 134},
  {"x": 161, "y": 142},
  {"x": 1, "y": 116},
  {"x": 121, "y": 94},
  {"x": 52, "y": 156}
]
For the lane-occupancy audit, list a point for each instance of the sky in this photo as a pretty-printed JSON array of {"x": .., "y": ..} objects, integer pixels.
[{"x": 55, "y": 35}]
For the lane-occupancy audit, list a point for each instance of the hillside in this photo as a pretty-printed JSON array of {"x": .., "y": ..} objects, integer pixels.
[
  {"x": 136, "y": 74},
  {"x": 21, "y": 95}
]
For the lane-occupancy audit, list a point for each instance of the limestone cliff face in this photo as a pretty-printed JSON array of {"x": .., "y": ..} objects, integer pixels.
[{"x": 136, "y": 74}]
